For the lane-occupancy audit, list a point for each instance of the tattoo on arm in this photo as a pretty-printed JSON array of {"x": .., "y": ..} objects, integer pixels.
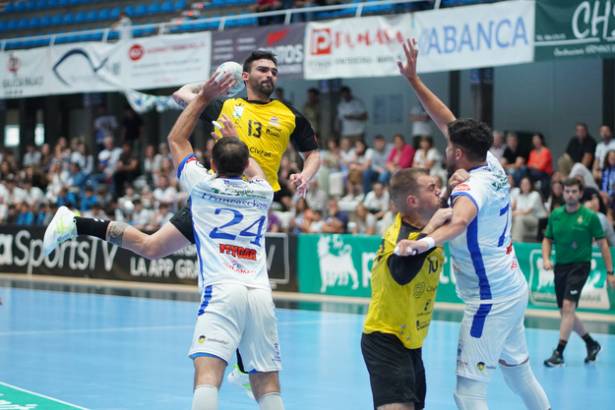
[{"x": 115, "y": 232}]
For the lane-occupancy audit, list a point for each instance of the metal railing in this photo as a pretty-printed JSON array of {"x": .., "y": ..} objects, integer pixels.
[{"x": 210, "y": 23}]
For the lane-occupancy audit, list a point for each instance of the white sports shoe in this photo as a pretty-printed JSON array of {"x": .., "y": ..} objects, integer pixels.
[
  {"x": 240, "y": 379},
  {"x": 61, "y": 228}
]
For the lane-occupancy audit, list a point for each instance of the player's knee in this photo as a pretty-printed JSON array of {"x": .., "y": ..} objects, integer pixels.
[
  {"x": 264, "y": 383},
  {"x": 208, "y": 371},
  {"x": 521, "y": 380},
  {"x": 470, "y": 394},
  {"x": 568, "y": 307}
]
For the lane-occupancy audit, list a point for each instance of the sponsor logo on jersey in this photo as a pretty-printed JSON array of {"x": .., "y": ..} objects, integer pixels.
[{"x": 238, "y": 252}]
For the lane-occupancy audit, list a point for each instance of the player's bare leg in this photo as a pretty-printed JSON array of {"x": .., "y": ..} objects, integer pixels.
[
  {"x": 208, "y": 373},
  {"x": 266, "y": 389}
]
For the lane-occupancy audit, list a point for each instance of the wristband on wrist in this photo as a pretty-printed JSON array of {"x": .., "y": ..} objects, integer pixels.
[
  {"x": 609, "y": 272},
  {"x": 429, "y": 241}
]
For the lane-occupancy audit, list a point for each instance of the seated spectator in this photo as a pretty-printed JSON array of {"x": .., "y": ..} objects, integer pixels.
[
  {"x": 498, "y": 147},
  {"x": 361, "y": 164},
  {"x": 429, "y": 158},
  {"x": 354, "y": 197},
  {"x": 126, "y": 169},
  {"x": 25, "y": 215},
  {"x": 32, "y": 157},
  {"x": 387, "y": 220},
  {"x": 540, "y": 163},
  {"x": 556, "y": 197},
  {"x": 336, "y": 220},
  {"x": 298, "y": 216},
  {"x": 592, "y": 200},
  {"x": 161, "y": 216},
  {"x": 316, "y": 197},
  {"x": 67, "y": 198},
  {"x": 273, "y": 222},
  {"x": 377, "y": 200},
  {"x": 527, "y": 209},
  {"x": 83, "y": 157},
  {"x": 607, "y": 177},
  {"x": 330, "y": 175},
  {"x": 42, "y": 215},
  {"x": 607, "y": 144},
  {"x": 77, "y": 178},
  {"x": 311, "y": 222},
  {"x": 378, "y": 160},
  {"x": 583, "y": 174},
  {"x": 401, "y": 156},
  {"x": 165, "y": 193},
  {"x": 88, "y": 199},
  {"x": 580, "y": 149},
  {"x": 141, "y": 217},
  {"x": 514, "y": 159},
  {"x": 362, "y": 222},
  {"x": 107, "y": 160}
]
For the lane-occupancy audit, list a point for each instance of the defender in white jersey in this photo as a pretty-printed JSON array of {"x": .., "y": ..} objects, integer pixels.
[
  {"x": 488, "y": 276},
  {"x": 229, "y": 215}
]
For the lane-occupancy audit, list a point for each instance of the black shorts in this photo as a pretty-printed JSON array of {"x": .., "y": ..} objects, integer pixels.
[
  {"x": 569, "y": 281},
  {"x": 396, "y": 373},
  {"x": 182, "y": 220}
]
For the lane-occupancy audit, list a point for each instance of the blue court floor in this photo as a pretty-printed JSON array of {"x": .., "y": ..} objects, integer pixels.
[{"x": 117, "y": 352}]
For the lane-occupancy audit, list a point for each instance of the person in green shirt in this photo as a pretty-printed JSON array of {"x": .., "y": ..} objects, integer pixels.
[{"x": 573, "y": 228}]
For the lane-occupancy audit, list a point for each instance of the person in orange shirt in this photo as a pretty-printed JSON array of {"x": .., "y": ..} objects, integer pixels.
[{"x": 540, "y": 163}]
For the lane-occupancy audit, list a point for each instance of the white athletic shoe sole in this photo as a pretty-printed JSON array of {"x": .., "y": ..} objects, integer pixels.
[
  {"x": 61, "y": 228},
  {"x": 240, "y": 379}
]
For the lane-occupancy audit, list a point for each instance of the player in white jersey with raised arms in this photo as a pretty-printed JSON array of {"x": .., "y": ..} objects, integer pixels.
[
  {"x": 229, "y": 214},
  {"x": 489, "y": 280}
]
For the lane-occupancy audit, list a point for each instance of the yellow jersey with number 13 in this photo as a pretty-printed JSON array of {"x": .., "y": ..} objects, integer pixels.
[{"x": 266, "y": 128}]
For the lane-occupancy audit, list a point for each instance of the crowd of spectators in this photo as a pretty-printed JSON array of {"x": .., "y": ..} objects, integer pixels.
[{"x": 137, "y": 184}]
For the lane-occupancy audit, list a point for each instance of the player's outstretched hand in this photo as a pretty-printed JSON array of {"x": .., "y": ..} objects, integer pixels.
[
  {"x": 611, "y": 280},
  {"x": 301, "y": 182},
  {"x": 460, "y": 176},
  {"x": 226, "y": 127},
  {"x": 215, "y": 87},
  {"x": 547, "y": 264},
  {"x": 406, "y": 247},
  {"x": 408, "y": 69}
]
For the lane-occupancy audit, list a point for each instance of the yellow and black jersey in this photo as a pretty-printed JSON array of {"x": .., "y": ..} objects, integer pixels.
[
  {"x": 403, "y": 288},
  {"x": 266, "y": 128}
]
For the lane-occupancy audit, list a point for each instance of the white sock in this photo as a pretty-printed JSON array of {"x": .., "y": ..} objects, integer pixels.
[
  {"x": 470, "y": 394},
  {"x": 205, "y": 397},
  {"x": 271, "y": 401},
  {"x": 521, "y": 380}
]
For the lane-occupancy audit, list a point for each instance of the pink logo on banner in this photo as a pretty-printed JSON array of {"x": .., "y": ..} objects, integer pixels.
[
  {"x": 324, "y": 41},
  {"x": 136, "y": 52},
  {"x": 276, "y": 37},
  {"x": 321, "y": 42}
]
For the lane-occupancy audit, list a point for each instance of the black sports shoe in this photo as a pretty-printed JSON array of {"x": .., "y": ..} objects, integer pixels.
[
  {"x": 592, "y": 351},
  {"x": 556, "y": 360}
]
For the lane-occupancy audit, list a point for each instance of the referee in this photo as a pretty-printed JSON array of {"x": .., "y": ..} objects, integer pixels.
[
  {"x": 403, "y": 293},
  {"x": 573, "y": 227}
]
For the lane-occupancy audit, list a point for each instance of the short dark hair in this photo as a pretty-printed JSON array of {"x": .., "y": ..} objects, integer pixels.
[
  {"x": 345, "y": 89},
  {"x": 474, "y": 137},
  {"x": 403, "y": 183},
  {"x": 313, "y": 90},
  {"x": 230, "y": 156},
  {"x": 258, "y": 55},
  {"x": 572, "y": 182}
]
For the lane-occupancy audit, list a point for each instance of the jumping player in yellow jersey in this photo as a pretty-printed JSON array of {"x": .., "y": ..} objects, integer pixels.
[
  {"x": 403, "y": 294},
  {"x": 264, "y": 124}
]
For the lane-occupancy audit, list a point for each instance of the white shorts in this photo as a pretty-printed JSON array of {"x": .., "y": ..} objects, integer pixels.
[
  {"x": 490, "y": 333},
  {"x": 234, "y": 317}
]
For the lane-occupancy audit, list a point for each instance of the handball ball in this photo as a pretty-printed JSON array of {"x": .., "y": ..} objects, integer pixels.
[{"x": 236, "y": 70}]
